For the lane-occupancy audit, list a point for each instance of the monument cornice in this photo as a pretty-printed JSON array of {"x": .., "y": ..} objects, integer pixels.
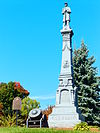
[{"x": 67, "y": 31}]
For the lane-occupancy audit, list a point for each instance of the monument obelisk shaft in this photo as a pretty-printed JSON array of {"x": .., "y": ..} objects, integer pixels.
[
  {"x": 64, "y": 113},
  {"x": 65, "y": 91}
]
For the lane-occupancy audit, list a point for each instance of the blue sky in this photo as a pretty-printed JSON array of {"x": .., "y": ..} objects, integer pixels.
[{"x": 31, "y": 43}]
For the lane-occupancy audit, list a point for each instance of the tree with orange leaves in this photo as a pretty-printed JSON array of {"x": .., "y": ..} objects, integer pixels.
[
  {"x": 48, "y": 111},
  {"x": 8, "y": 92}
]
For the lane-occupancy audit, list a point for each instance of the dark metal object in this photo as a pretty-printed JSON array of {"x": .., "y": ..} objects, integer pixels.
[
  {"x": 16, "y": 117},
  {"x": 36, "y": 119}
]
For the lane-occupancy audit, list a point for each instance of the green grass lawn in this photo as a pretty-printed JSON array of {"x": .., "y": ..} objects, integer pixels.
[{"x": 30, "y": 130}]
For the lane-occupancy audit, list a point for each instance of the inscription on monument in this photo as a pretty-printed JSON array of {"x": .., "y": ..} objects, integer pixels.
[
  {"x": 65, "y": 98},
  {"x": 68, "y": 117},
  {"x": 66, "y": 64}
]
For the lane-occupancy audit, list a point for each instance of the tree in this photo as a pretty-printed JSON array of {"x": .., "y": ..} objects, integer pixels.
[
  {"x": 87, "y": 82},
  {"x": 48, "y": 111},
  {"x": 8, "y": 92},
  {"x": 27, "y": 105},
  {"x": 1, "y": 107}
]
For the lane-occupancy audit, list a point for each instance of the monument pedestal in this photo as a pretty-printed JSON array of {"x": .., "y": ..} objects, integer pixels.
[{"x": 63, "y": 117}]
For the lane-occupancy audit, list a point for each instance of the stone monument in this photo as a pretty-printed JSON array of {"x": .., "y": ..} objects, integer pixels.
[{"x": 65, "y": 114}]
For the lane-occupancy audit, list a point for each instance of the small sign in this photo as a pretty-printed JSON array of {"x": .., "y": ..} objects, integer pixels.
[{"x": 17, "y": 103}]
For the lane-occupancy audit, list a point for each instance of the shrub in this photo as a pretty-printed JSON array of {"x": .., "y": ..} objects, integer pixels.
[
  {"x": 83, "y": 126},
  {"x": 8, "y": 121}
]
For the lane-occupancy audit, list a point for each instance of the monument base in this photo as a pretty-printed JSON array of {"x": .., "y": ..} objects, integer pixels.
[{"x": 64, "y": 117}]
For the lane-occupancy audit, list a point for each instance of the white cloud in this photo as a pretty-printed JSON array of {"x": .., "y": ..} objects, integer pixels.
[{"x": 43, "y": 97}]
